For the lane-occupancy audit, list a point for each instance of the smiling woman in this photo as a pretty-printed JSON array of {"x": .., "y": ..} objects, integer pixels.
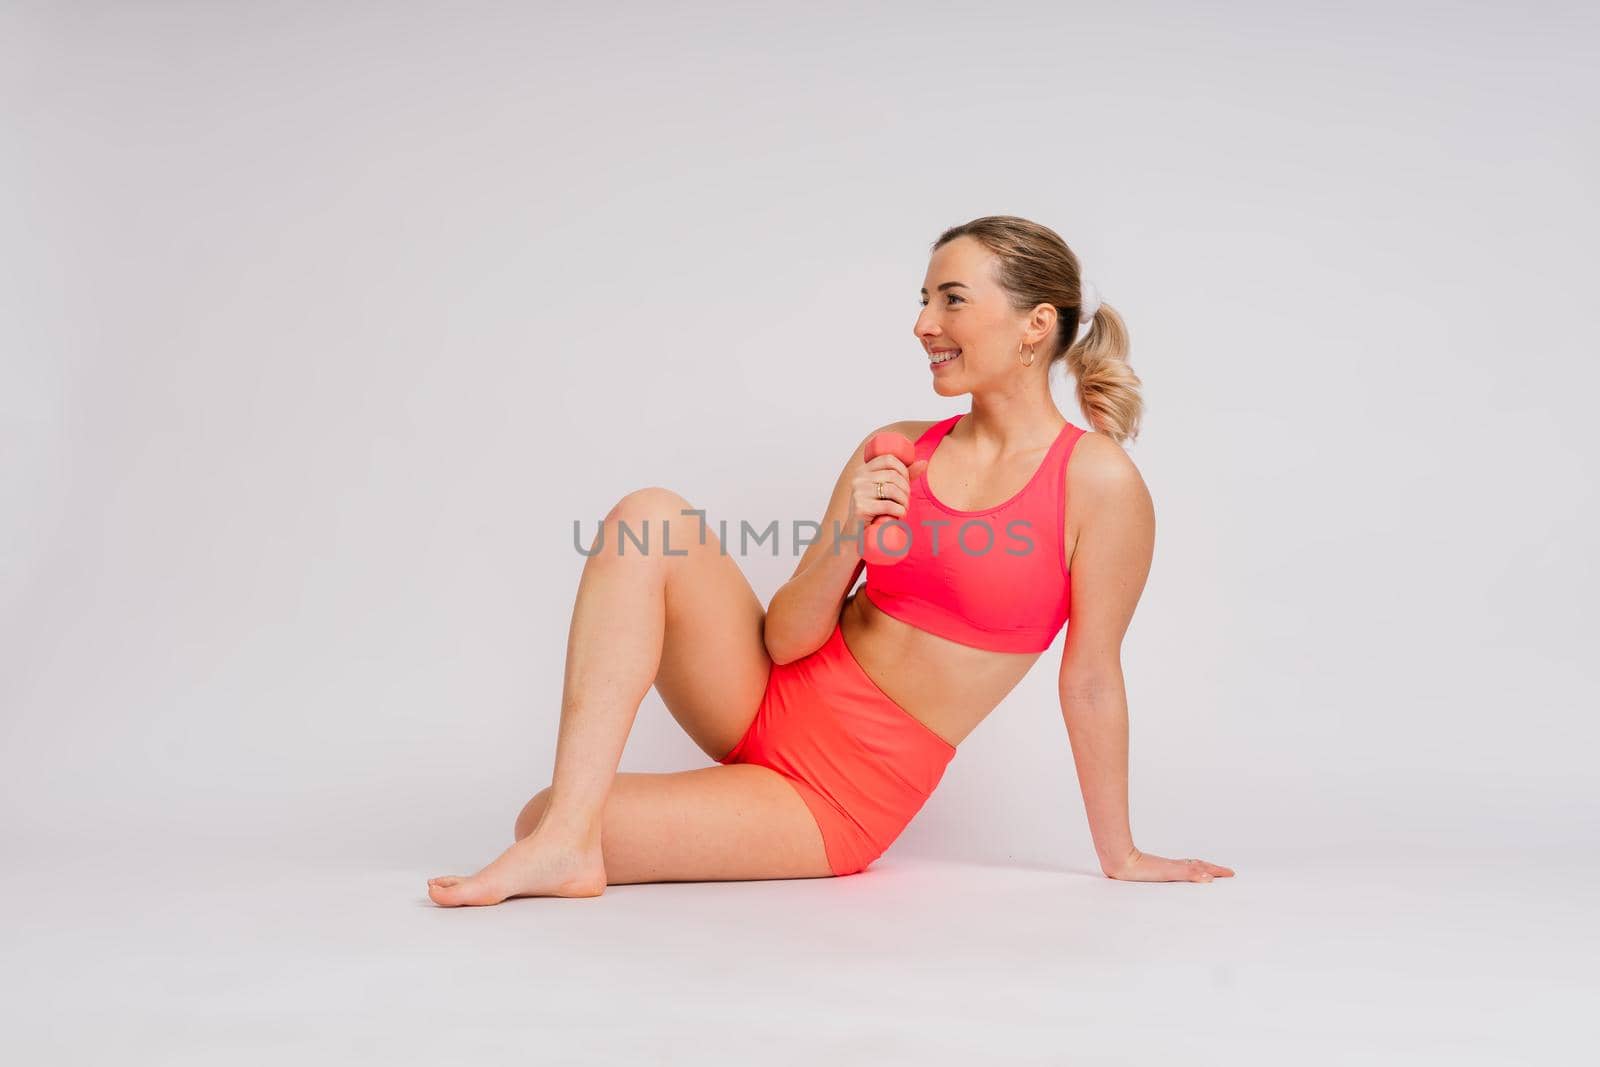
[
  {"x": 833, "y": 715},
  {"x": 1032, "y": 266}
]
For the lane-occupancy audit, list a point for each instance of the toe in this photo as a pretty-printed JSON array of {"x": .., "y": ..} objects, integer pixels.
[
  {"x": 465, "y": 892},
  {"x": 449, "y": 895}
]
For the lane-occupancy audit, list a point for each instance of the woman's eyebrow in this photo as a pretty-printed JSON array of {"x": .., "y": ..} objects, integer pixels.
[{"x": 948, "y": 285}]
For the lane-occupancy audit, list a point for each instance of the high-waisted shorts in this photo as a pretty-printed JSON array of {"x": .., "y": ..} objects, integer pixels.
[{"x": 862, "y": 763}]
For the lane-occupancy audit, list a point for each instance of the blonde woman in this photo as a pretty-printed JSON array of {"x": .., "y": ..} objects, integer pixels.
[{"x": 832, "y": 714}]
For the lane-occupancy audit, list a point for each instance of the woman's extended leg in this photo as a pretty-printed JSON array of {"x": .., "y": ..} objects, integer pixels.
[
  {"x": 737, "y": 822},
  {"x": 690, "y": 624}
]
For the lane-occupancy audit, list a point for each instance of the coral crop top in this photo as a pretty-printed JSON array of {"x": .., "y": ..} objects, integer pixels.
[{"x": 994, "y": 578}]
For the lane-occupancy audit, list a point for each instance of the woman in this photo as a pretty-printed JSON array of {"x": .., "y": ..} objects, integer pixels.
[{"x": 832, "y": 715}]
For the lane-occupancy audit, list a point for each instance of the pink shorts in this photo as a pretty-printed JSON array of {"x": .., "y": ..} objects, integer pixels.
[{"x": 862, "y": 763}]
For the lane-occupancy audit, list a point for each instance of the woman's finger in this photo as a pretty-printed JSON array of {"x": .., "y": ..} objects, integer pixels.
[
  {"x": 1208, "y": 865},
  {"x": 892, "y": 490},
  {"x": 1150, "y": 868},
  {"x": 886, "y": 462},
  {"x": 893, "y": 484}
]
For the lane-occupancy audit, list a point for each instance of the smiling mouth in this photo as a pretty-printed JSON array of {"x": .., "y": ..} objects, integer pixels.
[{"x": 943, "y": 357}]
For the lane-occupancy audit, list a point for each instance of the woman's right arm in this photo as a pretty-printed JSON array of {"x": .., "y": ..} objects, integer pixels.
[{"x": 804, "y": 611}]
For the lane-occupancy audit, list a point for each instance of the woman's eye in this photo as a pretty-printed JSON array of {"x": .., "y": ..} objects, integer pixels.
[{"x": 952, "y": 296}]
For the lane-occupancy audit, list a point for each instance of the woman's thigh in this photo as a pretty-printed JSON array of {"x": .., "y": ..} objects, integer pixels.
[
  {"x": 714, "y": 662},
  {"x": 734, "y": 822}
]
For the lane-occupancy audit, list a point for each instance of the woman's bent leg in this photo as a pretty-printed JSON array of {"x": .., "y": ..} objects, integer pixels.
[
  {"x": 687, "y": 623},
  {"x": 614, "y": 654}
]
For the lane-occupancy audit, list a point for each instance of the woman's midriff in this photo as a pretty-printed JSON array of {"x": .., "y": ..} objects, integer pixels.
[{"x": 947, "y": 686}]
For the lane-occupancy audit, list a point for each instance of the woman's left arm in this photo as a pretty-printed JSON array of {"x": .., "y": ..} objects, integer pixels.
[{"x": 1110, "y": 561}]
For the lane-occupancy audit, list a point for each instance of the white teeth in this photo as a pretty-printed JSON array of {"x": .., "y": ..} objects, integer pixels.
[{"x": 943, "y": 357}]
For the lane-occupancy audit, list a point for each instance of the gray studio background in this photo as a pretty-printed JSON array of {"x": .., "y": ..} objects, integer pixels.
[{"x": 321, "y": 324}]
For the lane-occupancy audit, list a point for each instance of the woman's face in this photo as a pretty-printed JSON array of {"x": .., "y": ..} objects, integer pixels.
[{"x": 964, "y": 309}]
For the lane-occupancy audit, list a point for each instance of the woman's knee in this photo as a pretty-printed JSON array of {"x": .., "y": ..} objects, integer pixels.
[
  {"x": 653, "y": 501},
  {"x": 653, "y": 521}
]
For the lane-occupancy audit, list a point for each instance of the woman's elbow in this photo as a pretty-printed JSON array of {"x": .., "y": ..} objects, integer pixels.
[
  {"x": 775, "y": 650},
  {"x": 783, "y": 645},
  {"x": 1085, "y": 678}
]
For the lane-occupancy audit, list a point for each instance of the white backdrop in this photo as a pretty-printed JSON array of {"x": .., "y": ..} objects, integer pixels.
[{"x": 321, "y": 324}]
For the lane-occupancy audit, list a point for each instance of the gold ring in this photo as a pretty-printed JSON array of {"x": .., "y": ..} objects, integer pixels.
[{"x": 880, "y": 490}]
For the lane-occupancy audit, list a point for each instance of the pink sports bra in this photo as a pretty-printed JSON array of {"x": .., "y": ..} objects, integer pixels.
[{"x": 994, "y": 578}]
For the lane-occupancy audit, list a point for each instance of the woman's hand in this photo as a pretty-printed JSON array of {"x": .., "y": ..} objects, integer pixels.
[
  {"x": 864, "y": 502},
  {"x": 1139, "y": 867}
]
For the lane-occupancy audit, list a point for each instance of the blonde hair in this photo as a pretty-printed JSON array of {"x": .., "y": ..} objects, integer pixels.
[{"x": 1036, "y": 267}]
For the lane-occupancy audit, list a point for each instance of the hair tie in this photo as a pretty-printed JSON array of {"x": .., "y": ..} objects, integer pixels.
[{"x": 1090, "y": 302}]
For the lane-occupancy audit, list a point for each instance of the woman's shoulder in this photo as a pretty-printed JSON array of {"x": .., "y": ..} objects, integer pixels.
[
  {"x": 912, "y": 428},
  {"x": 1099, "y": 467}
]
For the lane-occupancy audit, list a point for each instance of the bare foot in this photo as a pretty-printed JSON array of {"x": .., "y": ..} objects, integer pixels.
[{"x": 536, "y": 866}]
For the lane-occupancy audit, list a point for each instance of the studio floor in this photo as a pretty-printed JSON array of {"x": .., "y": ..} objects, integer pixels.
[{"x": 1336, "y": 959}]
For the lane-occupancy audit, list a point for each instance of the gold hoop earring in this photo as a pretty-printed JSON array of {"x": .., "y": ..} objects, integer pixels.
[{"x": 1029, "y": 363}]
